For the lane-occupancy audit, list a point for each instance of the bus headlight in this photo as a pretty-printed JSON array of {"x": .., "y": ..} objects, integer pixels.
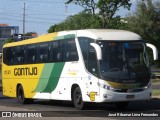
[
  {"x": 148, "y": 86},
  {"x": 105, "y": 86}
]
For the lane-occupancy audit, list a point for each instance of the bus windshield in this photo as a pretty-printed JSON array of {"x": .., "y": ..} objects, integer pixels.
[{"x": 124, "y": 62}]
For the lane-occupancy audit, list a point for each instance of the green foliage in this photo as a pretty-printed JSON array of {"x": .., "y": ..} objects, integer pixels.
[
  {"x": 106, "y": 9},
  {"x": 156, "y": 92},
  {"x": 88, "y": 5},
  {"x": 8, "y": 41},
  {"x": 117, "y": 23},
  {"x": 79, "y": 21},
  {"x": 53, "y": 28},
  {"x": 146, "y": 22},
  {"x": 88, "y": 19}
]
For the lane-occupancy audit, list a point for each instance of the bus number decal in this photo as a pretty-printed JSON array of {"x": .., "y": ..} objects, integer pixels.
[{"x": 7, "y": 72}]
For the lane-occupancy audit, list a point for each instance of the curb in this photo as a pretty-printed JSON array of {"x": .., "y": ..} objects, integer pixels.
[{"x": 156, "y": 97}]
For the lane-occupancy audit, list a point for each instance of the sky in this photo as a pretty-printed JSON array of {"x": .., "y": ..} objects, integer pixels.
[{"x": 41, "y": 14}]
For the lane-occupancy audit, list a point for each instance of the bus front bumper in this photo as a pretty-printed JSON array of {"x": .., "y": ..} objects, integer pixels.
[{"x": 110, "y": 96}]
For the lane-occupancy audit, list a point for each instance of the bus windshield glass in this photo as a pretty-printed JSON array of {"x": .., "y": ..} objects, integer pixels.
[{"x": 124, "y": 62}]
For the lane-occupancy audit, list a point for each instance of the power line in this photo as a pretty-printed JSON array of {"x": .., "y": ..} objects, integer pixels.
[
  {"x": 10, "y": 15},
  {"x": 32, "y": 17},
  {"x": 10, "y": 19},
  {"x": 27, "y": 21},
  {"x": 40, "y": 1},
  {"x": 5, "y": 13},
  {"x": 45, "y": 14},
  {"x": 24, "y": 17},
  {"x": 46, "y": 18},
  {"x": 28, "y": 16}
]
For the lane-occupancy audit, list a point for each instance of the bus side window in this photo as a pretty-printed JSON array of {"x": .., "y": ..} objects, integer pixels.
[
  {"x": 19, "y": 55},
  {"x": 69, "y": 50},
  {"x": 31, "y": 54},
  {"x": 55, "y": 51},
  {"x": 8, "y": 56},
  {"x": 43, "y": 52}
]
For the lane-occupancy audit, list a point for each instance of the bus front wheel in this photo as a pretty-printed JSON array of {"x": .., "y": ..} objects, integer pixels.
[{"x": 77, "y": 99}]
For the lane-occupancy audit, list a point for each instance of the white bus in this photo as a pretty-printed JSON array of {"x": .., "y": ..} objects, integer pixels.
[{"x": 82, "y": 66}]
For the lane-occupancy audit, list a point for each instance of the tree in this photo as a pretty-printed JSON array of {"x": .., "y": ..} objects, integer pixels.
[
  {"x": 106, "y": 8},
  {"x": 53, "y": 28},
  {"x": 88, "y": 5},
  {"x": 8, "y": 41},
  {"x": 146, "y": 22},
  {"x": 82, "y": 20}
]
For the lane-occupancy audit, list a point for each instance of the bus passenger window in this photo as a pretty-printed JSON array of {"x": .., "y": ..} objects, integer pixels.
[
  {"x": 69, "y": 50},
  {"x": 55, "y": 51},
  {"x": 19, "y": 55},
  {"x": 8, "y": 56},
  {"x": 43, "y": 52},
  {"x": 31, "y": 54}
]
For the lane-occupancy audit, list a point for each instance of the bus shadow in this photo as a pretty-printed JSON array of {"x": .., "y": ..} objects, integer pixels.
[
  {"x": 102, "y": 110},
  {"x": 153, "y": 104}
]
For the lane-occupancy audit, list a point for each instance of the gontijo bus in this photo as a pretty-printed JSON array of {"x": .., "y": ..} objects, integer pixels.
[{"x": 81, "y": 66}]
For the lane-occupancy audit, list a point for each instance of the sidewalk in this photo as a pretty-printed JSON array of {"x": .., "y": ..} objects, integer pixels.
[
  {"x": 156, "y": 97},
  {"x": 5, "y": 108}
]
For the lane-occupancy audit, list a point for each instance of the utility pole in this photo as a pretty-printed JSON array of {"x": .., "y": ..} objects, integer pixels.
[{"x": 24, "y": 14}]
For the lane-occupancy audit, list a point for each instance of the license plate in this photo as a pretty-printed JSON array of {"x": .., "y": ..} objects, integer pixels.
[{"x": 130, "y": 96}]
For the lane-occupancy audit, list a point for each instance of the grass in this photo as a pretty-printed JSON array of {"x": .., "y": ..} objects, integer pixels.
[
  {"x": 156, "y": 92},
  {"x": 156, "y": 80}
]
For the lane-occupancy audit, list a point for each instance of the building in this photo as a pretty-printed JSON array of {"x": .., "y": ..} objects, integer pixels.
[{"x": 7, "y": 32}]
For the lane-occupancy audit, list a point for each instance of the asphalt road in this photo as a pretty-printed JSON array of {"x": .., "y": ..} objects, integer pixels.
[{"x": 66, "y": 109}]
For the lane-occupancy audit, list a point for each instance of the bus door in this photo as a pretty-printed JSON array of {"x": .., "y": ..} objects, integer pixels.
[
  {"x": 92, "y": 66},
  {"x": 89, "y": 55}
]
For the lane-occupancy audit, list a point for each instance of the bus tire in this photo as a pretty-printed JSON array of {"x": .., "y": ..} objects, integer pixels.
[
  {"x": 121, "y": 105},
  {"x": 77, "y": 99},
  {"x": 20, "y": 96}
]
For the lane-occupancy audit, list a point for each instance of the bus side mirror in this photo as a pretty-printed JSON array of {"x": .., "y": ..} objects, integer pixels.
[
  {"x": 154, "y": 49},
  {"x": 98, "y": 50}
]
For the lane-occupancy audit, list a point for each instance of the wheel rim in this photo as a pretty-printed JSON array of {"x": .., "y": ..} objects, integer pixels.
[
  {"x": 78, "y": 98},
  {"x": 20, "y": 95}
]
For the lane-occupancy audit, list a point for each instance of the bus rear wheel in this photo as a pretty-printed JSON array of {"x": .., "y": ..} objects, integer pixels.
[
  {"x": 77, "y": 99},
  {"x": 20, "y": 96}
]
